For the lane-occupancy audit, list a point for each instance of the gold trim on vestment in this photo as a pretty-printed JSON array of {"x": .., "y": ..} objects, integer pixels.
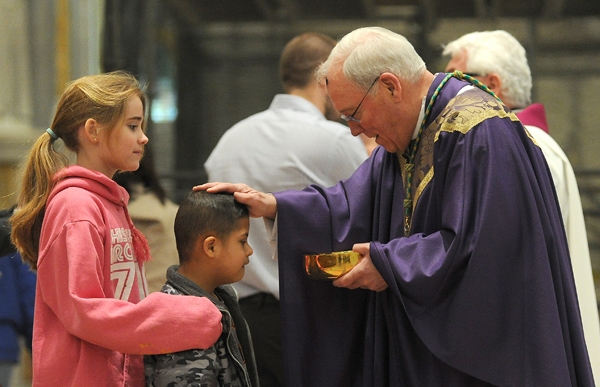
[
  {"x": 466, "y": 111},
  {"x": 462, "y": 113}
]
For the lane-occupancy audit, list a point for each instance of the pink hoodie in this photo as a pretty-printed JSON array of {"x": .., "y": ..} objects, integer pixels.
[{"x": 93, "y": 321}]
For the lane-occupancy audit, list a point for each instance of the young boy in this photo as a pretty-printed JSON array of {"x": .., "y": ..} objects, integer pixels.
[{"x": 211, "y": 232}]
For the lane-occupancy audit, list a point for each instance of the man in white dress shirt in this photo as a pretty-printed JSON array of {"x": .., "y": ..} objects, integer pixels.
[{"x": 288, "y": 146}]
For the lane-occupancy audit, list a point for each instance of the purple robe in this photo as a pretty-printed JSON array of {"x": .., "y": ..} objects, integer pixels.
[{"x": 480, "y": 293}]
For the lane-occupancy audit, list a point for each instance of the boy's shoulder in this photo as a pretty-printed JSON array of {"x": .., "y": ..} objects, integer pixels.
[
  {"x": 169, "y": 289},
  {"x": 228, "y": 291}
]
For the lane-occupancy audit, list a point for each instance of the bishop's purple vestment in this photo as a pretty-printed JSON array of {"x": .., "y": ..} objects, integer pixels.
[{"x": 480, "y": 293}]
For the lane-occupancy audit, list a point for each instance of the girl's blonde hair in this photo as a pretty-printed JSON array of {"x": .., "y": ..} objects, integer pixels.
[{"x": 102, "y": 97}]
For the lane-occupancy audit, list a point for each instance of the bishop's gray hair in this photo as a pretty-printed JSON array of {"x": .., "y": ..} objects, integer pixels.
[{"x": 368, "y": 52}]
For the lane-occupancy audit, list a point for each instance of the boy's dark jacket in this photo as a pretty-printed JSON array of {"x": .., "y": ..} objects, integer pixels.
[{"x": 232, "y": 317}]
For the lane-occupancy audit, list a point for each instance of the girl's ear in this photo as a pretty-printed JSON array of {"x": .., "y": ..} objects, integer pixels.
[{"x": 91, "y": 130}]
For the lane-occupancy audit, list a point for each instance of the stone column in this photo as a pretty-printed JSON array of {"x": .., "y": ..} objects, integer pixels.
[
  {"x": 15, "y": 102},
  {"x": 36, "y": 38}
]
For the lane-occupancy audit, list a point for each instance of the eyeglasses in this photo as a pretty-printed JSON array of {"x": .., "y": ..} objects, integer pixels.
[{"x": 351, "y": 116}]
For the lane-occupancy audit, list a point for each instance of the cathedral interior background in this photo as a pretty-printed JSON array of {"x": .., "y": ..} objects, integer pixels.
[{"x": 209, "y": 64}]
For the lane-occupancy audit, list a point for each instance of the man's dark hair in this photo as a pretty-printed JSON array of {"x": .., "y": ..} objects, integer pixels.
[
  {"x": 201, "y": 212},
  {"x": 300, "y": 58}
]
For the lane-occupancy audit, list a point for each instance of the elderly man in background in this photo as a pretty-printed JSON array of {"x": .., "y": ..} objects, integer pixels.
[{"x": 499, "y": 61}]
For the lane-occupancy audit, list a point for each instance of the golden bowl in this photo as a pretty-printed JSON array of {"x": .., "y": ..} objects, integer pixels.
[{"x": 329, "y": 266}]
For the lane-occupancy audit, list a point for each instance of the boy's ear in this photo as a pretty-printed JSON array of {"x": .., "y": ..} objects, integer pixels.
[{"x": 210, "y": 245}]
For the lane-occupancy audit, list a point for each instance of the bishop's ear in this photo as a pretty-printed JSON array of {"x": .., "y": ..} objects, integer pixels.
[{"x": 391, "y": 84}]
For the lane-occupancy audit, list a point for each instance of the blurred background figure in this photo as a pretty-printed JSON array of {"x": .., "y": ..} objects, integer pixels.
[
  {"x": 288, "y": 146},
  {"x": 17, "y": 299},
  {"x": 153, "y": 213},
  {"x": 498, "y": 60}
]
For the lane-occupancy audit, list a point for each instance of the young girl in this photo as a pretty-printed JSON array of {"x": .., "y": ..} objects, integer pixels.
[{"x": 93, "y": 321}]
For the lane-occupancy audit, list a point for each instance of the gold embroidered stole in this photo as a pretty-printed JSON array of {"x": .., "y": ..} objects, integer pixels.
[{"x": 463, "y": 112}]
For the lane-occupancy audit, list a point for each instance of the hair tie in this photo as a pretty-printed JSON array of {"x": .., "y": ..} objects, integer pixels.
[{"x": 52, "y": 134}]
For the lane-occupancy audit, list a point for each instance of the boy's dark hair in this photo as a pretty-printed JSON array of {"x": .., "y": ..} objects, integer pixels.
[{"x": 200, "y": 212}]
